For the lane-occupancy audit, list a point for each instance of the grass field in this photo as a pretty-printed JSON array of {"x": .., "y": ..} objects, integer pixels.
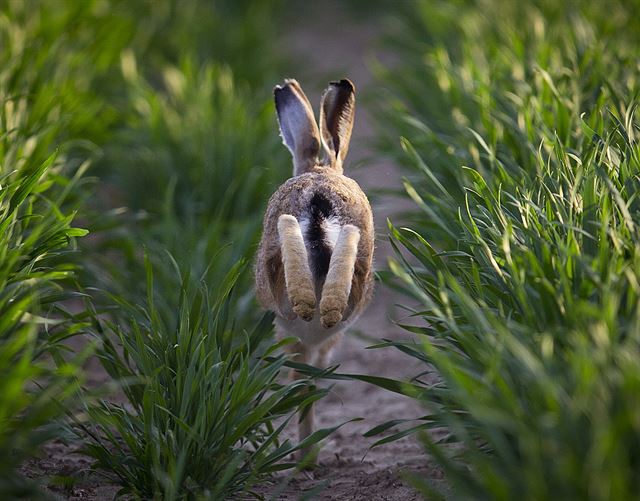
[
  {"x": 520, "y": 129},
  {"x": 138, "y": 148}
]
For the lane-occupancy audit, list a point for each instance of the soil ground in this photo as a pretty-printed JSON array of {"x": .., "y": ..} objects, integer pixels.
[{"x": 329, "y": 44}]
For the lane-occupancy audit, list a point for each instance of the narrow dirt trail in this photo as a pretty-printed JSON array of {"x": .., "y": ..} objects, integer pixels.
[{"x": 329, "y": 44}]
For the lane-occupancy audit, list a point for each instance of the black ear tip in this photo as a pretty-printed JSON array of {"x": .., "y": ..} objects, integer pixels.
[
  {"x": 288, "y": 87},
  {"x": 345, "y": 84},
  {"x": 283, "y": 86},
  {"x": 282, "y": 94}
]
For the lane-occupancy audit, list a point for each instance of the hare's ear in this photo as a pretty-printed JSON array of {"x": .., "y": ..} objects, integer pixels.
[
  {"x": 337, "y": 110},
  {"x": 298, "y": 126}
]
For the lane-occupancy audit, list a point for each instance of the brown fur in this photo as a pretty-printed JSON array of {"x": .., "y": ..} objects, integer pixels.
[{"x": 292, "y": 198}]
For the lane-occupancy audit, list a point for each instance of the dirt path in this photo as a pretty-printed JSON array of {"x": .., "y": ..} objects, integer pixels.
[{"x": 330, "y": 44}]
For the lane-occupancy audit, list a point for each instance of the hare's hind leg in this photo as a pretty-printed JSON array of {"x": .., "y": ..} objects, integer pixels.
[
  {"x": 324, "y": 350},
  {"x": 306, "y": 422},
  {"x": 297, "y": 274},
  {"x": 337, "y": 286}
]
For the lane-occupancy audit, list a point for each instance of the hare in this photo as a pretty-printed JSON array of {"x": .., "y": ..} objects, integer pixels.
[{"x": 314, "y": 263}]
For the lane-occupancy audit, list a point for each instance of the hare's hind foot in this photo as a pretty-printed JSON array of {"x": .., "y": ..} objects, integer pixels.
[
  {"x": 297, "y": 274},
  {"x": 331, "y": 312},
  {"x": 337, "y": 286},
  {"x": 304, "y": 305}
]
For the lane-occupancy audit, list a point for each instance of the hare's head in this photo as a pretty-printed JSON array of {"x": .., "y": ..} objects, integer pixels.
[{"x": 299, "y": 129}]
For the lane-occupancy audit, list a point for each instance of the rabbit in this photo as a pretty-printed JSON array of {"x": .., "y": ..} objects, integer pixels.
[{"x": 315, "y": 259}]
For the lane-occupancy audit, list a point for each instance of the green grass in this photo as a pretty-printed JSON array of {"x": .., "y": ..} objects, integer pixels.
[
  {"x": 40, "y": 188},
  {"x": 38, "y": 381},
  {"x": 45, "y": 106},
  {"x": 35, "y": 271},
  {"x": 520, "y": 130},
  {"x": 205, "y": 405}
]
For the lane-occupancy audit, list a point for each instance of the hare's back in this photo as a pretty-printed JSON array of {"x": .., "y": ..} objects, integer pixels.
[{"x": 331, "y": 196}]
